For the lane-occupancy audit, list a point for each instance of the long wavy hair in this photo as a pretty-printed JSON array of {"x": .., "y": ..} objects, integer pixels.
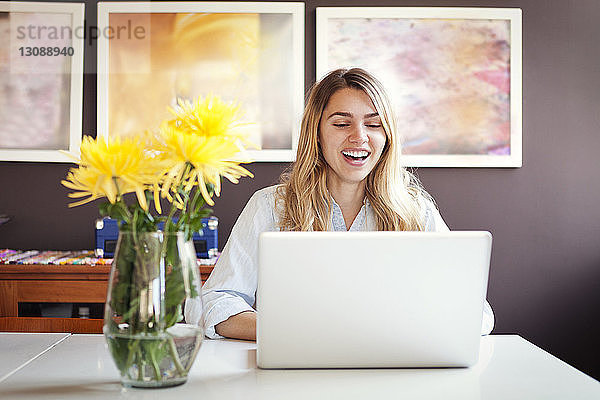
[{"x": 394, "y": 193}]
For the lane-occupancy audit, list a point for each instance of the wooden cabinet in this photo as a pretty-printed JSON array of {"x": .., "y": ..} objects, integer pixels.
[{"x": 54, "y": 284}]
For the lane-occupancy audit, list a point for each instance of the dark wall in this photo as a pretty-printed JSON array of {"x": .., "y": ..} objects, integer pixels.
[{"x": 545, "y": 273}]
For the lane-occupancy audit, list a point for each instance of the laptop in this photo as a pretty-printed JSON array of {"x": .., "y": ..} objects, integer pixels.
[{"x": 371, "y": 299}]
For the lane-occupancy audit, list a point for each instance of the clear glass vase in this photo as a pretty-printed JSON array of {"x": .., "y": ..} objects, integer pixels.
[{"x": 154, "y": 279}]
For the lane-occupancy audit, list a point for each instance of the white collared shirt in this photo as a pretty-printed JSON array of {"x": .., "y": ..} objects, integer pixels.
[{"x": 231, "y": 287}]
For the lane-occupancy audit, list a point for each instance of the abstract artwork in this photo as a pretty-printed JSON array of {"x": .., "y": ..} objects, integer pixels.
[
  {"x": 453, "y": 74},
  {"x": 41, "y": 75},
  {"x": 153, "y": 53}
]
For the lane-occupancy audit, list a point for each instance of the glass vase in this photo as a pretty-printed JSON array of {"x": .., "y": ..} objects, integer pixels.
[{"x": 154, "y": 278}]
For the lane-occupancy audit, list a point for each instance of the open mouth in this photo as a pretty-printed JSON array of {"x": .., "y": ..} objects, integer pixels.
[{"x": 359, "y": 155}]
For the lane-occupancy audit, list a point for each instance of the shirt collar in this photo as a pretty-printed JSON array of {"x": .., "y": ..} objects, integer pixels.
[{"x": 337, "y": 218}]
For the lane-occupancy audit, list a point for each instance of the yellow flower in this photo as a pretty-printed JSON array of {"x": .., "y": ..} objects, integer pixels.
[
  {"x": 209, "y": 117},
  {"x": 111, "y": 168},
  {"x": 193, "y": 159}
]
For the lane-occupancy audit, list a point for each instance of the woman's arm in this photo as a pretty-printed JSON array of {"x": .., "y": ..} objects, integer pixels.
[
  {"x": 239, "y": 326},
  {"x": 229, "y": 292}
]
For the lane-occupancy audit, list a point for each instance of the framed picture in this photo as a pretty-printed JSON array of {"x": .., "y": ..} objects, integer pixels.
[
  {"x": 41, "y": 80},
  {"x": 453, "y": 74},
  {"x": 152, "y": 53}
]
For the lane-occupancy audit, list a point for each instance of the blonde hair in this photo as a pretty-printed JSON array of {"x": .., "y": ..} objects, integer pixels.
[{"x": 395, "y": 194}]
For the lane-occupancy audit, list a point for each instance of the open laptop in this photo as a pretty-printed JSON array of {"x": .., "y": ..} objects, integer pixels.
[{"x": 371, "y": 299}]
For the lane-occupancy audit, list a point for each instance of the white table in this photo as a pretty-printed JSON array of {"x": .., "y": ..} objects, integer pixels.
[
  {"x": 509, "y": 368},
  {"x": 18, "y": 349}
]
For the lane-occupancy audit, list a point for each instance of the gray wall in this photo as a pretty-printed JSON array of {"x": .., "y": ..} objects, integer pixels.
[{"x": 545, "y": 273}]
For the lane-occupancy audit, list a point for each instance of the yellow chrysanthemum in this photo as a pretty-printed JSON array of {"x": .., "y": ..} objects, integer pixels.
[
  {"x": 197, "y": 159},
  {"x": 209, "y": 117},
  {"x": 109, "y": 168}
]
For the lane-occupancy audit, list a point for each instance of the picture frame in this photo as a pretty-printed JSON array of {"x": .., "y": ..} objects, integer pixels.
[
  {"x": 41, "y": 81},
  {"x": 453, "y": 74},
  {"x": 250, "y": 53}
]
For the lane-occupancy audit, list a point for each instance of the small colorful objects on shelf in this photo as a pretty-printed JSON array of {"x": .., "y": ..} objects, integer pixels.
[{"x": 65, "y": 257}]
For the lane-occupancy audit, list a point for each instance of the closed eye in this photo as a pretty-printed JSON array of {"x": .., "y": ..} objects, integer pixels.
[
  {"x": 375, "y": 126},
  {"x": 341, "y": 125}
]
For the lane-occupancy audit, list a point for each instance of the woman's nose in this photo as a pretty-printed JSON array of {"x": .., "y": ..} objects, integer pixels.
[{"x": 358, "y": 135}]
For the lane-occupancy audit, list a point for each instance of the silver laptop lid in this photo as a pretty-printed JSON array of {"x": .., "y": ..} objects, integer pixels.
[{"x": 370, "y": 299}]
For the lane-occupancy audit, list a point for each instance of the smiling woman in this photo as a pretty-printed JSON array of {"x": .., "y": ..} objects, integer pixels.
[
  {"x": 352, "y": 139},
  {"x": 347, "y": 177},
  {"x": 349, "y": 111}
]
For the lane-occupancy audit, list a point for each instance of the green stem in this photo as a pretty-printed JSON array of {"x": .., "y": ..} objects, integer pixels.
[
  {"x": 120, "y": 200},
  {"x": 173, "y": 350},
  {"x": 169, "y": 221},
  {"x": 186, "y": 196},
  {"x": 132, "y": 220},
  {"x": 195, "y": 200},
  {"x": 185, "y": 215},
  {"x": 141, "y": 365},
  {"x": 133, "y": 349},
  {"x": 169, "y": 225},
  {"x": 155, "y": 366}
]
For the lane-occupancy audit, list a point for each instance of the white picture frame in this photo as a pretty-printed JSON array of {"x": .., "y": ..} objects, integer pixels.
[
  {"x": 340, "y": 27},
  {"x": 56, "y": 131},
  {"x": 293, "y": 15}
]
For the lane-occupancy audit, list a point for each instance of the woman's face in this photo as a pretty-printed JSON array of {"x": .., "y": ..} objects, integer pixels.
[{"x": 351, "y": 135}]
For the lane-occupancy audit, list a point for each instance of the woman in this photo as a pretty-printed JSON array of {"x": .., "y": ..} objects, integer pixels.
[{"x": 347, "y": 176}]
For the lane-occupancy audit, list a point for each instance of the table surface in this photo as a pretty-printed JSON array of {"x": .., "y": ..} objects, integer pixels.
[
  {"x": 17, "y": 349},
  {"x": 509, "y": 368}
]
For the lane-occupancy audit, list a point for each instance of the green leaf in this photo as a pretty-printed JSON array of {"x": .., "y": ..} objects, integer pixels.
[{"x": 114, "y": 211}]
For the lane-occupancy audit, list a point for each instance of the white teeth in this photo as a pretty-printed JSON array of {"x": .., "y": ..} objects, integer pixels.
[{"x": 355, "y": 154}]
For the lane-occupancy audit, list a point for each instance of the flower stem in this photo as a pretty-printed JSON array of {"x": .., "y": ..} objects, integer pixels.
[
  {"x": 175, "y": 356},
  {"x": 155, "y": 366},
  {"x": 133, "y": 348},
  {"x": 141, "y": 365},
  {"x": 121, "y": 202}
]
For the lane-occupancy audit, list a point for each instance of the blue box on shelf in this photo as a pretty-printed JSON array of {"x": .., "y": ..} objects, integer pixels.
[{"x": 205, "y": 241}]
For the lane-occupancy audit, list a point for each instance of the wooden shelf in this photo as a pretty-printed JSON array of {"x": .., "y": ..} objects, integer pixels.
[
  {"x": 55, "y": 284},
  {"x": 32, "y": 324}
]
